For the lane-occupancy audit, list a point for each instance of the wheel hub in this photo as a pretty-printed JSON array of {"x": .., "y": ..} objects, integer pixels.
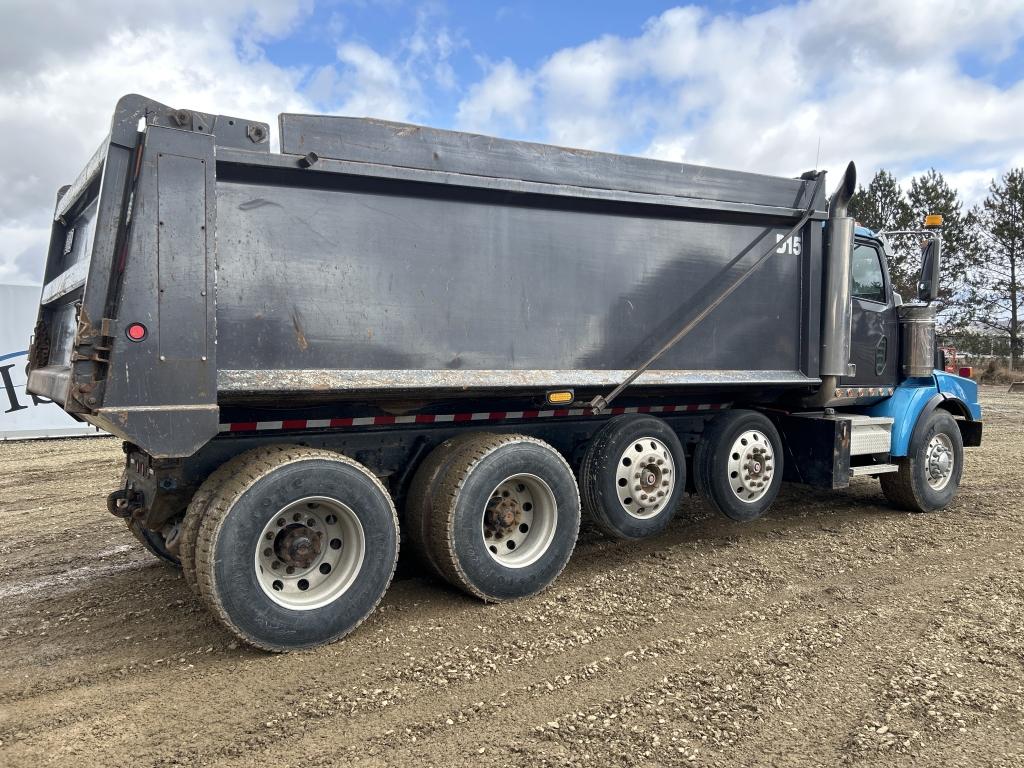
[
  {"x": 502, "y": 514},
  {"x": 309, "y": 553},
  {"x": 939, "y": 461},
  {"x": 298, "y": 546},
  {"x": 519, "y": 521},
  {"x": 751, "y": 466},
  {"x": 645, "y": 477}
]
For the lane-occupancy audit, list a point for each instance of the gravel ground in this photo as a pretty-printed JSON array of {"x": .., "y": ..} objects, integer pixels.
[{"x": 836, "y": 630}]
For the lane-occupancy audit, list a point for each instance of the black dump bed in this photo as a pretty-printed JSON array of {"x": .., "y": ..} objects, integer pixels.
[{"x": 372, "y": 260}]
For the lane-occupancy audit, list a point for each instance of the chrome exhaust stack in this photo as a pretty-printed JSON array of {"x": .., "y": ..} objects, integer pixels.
[{"x": 837, "y": 311}]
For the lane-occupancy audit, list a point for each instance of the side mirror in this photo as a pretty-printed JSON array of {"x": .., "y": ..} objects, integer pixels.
[{"x": 931, "y": 258}]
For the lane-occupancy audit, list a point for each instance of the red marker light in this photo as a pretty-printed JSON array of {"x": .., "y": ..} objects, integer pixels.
[{"x": 136, "y": 331}]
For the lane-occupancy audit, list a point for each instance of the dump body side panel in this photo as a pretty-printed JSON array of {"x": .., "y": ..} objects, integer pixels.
[{"x": 399, "y": 278}]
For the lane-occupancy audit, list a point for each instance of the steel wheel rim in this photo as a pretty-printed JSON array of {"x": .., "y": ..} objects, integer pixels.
[
  {"x": 751, "y": 466},
  {"x": 310, "y": 553},
  {"x": 519, "y": 521},
  {"x": 645, "y": 478},
  {"x": 939, "y": 461}
]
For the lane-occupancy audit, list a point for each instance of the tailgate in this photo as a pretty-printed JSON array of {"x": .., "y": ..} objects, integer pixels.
[
  {"x": 86, "y": 232},
  {"x": 126, "y": 328}
]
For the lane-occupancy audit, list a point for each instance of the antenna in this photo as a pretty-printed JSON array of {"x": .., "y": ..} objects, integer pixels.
[{"x": 817, "y": 155}]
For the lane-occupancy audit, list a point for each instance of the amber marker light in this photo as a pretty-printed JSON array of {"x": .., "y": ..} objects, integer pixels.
[{"x": 560, "y": 397}]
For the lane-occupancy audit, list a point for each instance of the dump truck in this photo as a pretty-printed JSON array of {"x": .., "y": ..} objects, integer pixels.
[{"x": 387, "y": 333}]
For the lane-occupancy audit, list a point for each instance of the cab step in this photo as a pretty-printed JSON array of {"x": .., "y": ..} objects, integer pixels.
[{"x": 873, "y": 469}]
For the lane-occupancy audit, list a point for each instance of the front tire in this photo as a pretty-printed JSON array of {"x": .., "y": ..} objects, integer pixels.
[
  {"x": 929, "y": 475},
  {"x": 297, "y": 548}
]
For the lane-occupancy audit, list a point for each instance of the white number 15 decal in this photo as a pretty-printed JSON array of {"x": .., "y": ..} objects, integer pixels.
[{"x": 791, "y": 245}]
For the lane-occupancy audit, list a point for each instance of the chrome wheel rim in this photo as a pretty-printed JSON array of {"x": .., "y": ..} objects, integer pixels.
[
  {"x": 939, "y": 461},
  {"x": 519, "y": 520},
  {"x": 645, "y": 477},
  {"x": 310, "y": 553},
  {"x": 751, "y": 466}
]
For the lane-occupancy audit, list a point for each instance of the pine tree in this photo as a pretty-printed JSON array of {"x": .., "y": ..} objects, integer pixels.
[
  {"x": 997, "y": 280},
  {"x": 930, "y": 193},
  {"x": 884, "y": 207}
]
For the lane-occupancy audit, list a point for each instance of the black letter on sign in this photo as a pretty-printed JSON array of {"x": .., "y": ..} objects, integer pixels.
[{"x": 12, "y": 396}]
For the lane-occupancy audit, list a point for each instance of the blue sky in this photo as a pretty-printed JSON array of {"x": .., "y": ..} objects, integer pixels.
[
  {"x": 773, "y": 87},
  {"x": 525, "y": 33}
]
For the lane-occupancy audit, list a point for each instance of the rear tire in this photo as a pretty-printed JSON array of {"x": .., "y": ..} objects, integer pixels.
[
  {"x": 929, "y": 475},
  {"x": 505, "y": 518},
  {"x": 420, "y": 498},
  {"x": 632, "y": 476},
  {"x": 737, "y": 465},
  {"x": 200, "y": 502},
  {"x": 327, "y": 523}
]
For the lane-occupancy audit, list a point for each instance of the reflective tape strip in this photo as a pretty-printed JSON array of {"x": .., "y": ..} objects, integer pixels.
[{"x": 449, "y": 418}]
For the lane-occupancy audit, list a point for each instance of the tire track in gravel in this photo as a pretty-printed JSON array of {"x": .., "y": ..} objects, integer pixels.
[
  {"x": 615, "y": 646},
  {"x": 630, "y": 663},
  {"x": 600, "y": 567}
]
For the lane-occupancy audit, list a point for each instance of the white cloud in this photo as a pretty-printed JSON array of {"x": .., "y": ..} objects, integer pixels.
[
  {"x": 56, "y": 103},
  {"x": 373, "y": 85},
  {"x": 367, "y": 83},
  {"x": 501, "y": 99},
  {"x": 874, "y": 81}
]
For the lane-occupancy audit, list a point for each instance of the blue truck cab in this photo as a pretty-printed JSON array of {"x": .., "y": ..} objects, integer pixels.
[{"x": 895, "y": 395}]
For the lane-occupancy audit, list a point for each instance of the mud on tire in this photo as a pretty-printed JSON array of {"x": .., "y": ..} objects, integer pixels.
[
  {"x": 259, "y": 517},
  {"x": 737, "y": 465},
  {"x": 505, "y": 518},
  {"x": 419, "y": 500}
]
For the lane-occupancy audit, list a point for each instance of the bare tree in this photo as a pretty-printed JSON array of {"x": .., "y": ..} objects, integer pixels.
[{"x": 997, "y": 280}]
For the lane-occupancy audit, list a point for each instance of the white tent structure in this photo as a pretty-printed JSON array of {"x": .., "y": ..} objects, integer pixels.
[{"x": 23, "y": 415}]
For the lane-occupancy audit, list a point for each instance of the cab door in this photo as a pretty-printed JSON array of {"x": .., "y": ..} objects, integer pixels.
[{"x": 873, "y": 342}]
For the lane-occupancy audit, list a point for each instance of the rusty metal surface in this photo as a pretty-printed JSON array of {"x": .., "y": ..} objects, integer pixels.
[
  {"x": 340, "y": 380},
  {"x": 406, "y": 276},
  {"x": 414, "y": 260}
]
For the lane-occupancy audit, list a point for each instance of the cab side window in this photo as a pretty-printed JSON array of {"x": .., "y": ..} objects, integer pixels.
[{"x": 866, "y": 274}]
